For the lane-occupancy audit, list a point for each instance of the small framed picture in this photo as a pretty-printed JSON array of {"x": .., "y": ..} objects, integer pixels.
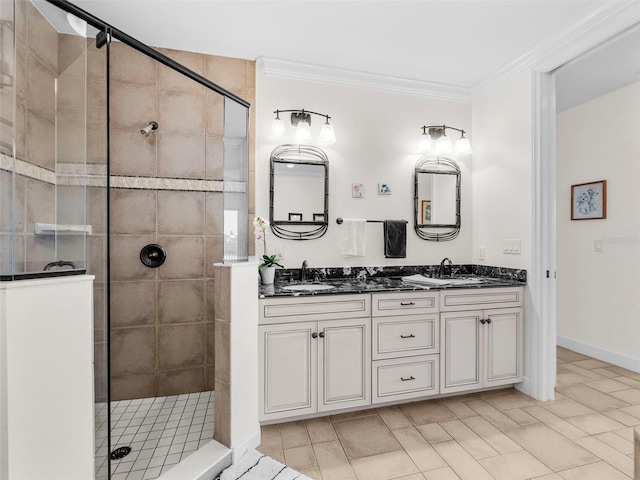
[
  {"x": 318, "y": 217},
  {"x": 384, "y": 189},
  {"x": 295, "y": 217},
  {"x": 357, "y": 190},
  {"x": 589, "y": 201},
  {"x": 425, "y": 212}
]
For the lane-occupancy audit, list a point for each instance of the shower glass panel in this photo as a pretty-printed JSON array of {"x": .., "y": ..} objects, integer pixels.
[{"x": 236, "y": 187}]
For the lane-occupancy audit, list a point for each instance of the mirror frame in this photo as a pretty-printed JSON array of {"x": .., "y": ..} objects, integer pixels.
[
  {"x": 440, "y": 166},
  {"x": 306, "y": 155}
]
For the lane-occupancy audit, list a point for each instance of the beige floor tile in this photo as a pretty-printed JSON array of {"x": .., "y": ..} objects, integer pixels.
[
  {"x": 591, "y": 363},
  {"x": 414, "y": 476},
  {"x": 337, "y": 472},
  {"x": 594, "y": 471},
  {"x": 320, "y": 430},
  {"x": 608, "y": 454},
  {"x": 514, "y": 466},
  {"x": 617, "y": 442},
  {"x": 329, "y": 454},
  {"x": 595, "y": 423},
  {"x": 270, "y": 437},
  {"x": 626, "y": 433},
  {"x": 366, "y": 436},
  {"x": 567, "y": 408},
  {"x": 421, "y": 413},
  {"x": 294, "y": 434},
  {"x": 457, "y": 406},
  {"x": 558, "y": 424},
  {"x": 490, "y": 434},
  {"x": 520, "y": 416},
  {"x": 590, "y": 374},
  {"x": 625, "y": 373},
  {"x": 607, "y": 385},
  {"x": 605, "y": 373},
  {"x": 629, "y": 381},
  {"x": 591, "y": 398},
  {"x": 570, "y": 378},
  {"x": 383, "y": 467},
  {"x": 551, "y": 476},
  {"x": 569, "y": 355},
  {"x": 631, "y": 396},
  {"x": 341, "y": 417},
  {"x": 441, "y": 474},
  {"x": 514, "y": 399},
  {"x": 313, "y": 473},
  {"x": 300, "y": 458},
  {"x": 633, "y": 410},
  {"x": 623, "y": 418},
  {"x": 463, "y": 464},
  {"x": 276, "y": 454},
  {"x": 422, "y": 454},
  {"x": 468, "y": 439},
  {"x": 433, "y": 433},
  {"x": 393, "y": 417},
  {"x": 551, "y": 448},
  {"x": 636, "y": 452},
  {"x": 493, "y": 416}
]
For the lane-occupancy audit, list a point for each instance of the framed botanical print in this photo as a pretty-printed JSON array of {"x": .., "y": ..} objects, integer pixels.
[{"x": 425, "y": 214}]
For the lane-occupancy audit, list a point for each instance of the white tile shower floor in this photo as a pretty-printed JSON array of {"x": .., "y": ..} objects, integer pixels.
[{"x": 161, "y": 432}]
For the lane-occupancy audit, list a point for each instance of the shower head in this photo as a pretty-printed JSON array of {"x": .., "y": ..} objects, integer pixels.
[{"x": 146, "y": 131}]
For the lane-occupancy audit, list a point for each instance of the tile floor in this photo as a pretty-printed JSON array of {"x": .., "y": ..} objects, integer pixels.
[
  {"x": 586, "y": 433},
  {"x": 161, "y": 431}
]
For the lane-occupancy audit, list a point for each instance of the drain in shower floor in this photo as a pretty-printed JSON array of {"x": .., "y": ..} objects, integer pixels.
[{"x": 120, "y": 452}]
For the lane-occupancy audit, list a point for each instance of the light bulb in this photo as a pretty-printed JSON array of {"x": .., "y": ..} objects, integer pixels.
[
  {"x": 425, "y": 144},
  {"x": 327, "y": 135},
  {"x": 277, "y": 127},
  {"x": 303, "y": 132},
  {"x": 443, "y": 146},
  {"x": 79, "y": 26},
  {"x": 463, "y": 146}
]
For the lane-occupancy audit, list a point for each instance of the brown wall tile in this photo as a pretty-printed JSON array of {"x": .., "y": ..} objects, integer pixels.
[
  {"x": 41, "y": 141},
  {"x": 133, "y": 212},
  {"x": 181, "y": 301},
  {"x": 130, "y": 66},
  {"x": 181, "y": 156},
  {"x": 42, "y": 38},
  {"x": 133, "y": 304},
  {"x": 169, "y": 79},
  {"x": 125, "y": 258},
  {"x": 214, "y": 251},
  {"x": 185, "y": 257},
  {"x": 132, "y": 106},
  {"x": 97, "y": 257},
  {"x": 133, "y": 350},
  {"x": 181, "y": 346},
  {"x": 210, "y": 345},
  {"x": 41, "y": 88},
  {"x": 181, "y": 213},
  {"x": 174, "y": 382},
  {"x": 40, "y": 202},
  {"x": 214, "y": 209},
  {"x": 229, "y": 73},
  {"x": 133, "y": 154},
  {"x": 214, "y": 107},
  {"x": 223, "y": 351},
  {"x": 181, "y": 112},
  {"x": 215, "y": 158},
  {"x": 133, "y": 385}
]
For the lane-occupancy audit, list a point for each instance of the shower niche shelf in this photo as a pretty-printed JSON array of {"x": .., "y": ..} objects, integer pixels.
[{"x": 61, "y": 229}]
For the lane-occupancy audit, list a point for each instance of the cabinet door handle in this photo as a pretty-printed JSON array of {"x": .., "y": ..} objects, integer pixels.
[
  {"x": 483, "y": 321},
  {"x": 405, "y": 304},
  {"x": 321, "y": 334},
  {"x": 488, "y": 320},
  {"x": 408, "y": 336},
  {"x": 407, "y": 379},
  {"x": 314, "y": 335}
]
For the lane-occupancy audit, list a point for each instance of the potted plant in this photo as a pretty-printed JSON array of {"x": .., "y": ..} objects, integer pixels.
[{"x": 267, "y": 268}]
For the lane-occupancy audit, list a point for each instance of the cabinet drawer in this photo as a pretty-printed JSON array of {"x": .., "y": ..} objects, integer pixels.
[
  {"x": 387, "y": 304},
  {"x": 405, "y": 336},
  {"x": 325, "y": 307},
  {"x": 475, "y": 299},
  {"x": 400, "y": 378}
]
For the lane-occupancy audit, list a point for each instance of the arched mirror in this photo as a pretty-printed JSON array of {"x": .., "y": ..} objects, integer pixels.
[
  {"x": 299, "y": 192},
  {"x": 437, "y": 198}
]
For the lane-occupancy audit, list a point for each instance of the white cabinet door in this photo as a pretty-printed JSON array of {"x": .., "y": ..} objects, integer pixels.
[
  {"x": 288, "y": 382},
  {"x": 461, "y": 351},
  {"x": 344, "y": 357},
  {"x": 503, "y": 332}
]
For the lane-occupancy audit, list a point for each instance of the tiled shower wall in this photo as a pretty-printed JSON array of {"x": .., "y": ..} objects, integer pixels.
[{"x": 162, "y": 320}]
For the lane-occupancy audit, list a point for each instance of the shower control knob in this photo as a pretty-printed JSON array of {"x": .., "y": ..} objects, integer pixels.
[{"x": 153, "y": 255}]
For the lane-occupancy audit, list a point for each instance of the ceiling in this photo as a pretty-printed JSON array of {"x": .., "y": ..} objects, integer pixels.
[{"x": 451, "y": 42}]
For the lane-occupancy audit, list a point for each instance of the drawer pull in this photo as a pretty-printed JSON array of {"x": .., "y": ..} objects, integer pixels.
[
  {"x": 488, "y": 320},
  {"x": 408, "y": 336},
  {"x": 321, "y": 334},
  {"x": 407, "y": 379},
  {"x": 483, "y": 321},
  {"x": 406, "y": 304}
]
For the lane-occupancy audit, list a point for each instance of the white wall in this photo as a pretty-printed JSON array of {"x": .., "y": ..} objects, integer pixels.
[
  {"x": 377, "y": 134},
  {"x": 598, "y": 301},
  {"x": 502, "y": 182}
]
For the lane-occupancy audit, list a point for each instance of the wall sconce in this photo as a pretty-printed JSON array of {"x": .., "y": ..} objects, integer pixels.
[
  {"x": 301, "y": 119},
  {"x": 433, "y": 139}
]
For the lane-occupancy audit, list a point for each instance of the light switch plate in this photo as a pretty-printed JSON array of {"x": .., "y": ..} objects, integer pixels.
[
  {"x": 511, "y": 246},
  {"x": 481, "y": 253},
  {"x": 598, "y": 246}
]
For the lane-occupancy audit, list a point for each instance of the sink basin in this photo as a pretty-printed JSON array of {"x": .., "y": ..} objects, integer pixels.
[
  {"x": 422, "y": 280},
  {"x": 311, "y": 287}
]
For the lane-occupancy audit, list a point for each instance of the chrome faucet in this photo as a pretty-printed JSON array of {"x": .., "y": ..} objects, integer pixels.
[
  {"x": 443, "y": 266},
  {"x": 303, "y": 274}
]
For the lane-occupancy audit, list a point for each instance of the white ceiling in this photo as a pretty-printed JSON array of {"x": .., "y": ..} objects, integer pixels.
[{"x": 459, "y": 43}]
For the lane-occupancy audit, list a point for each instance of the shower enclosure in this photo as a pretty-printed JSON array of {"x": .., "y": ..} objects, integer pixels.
[{"x": 107, "y": 147}]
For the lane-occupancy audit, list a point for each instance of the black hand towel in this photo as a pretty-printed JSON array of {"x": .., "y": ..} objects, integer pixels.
[{"x": 395, "y": 238}]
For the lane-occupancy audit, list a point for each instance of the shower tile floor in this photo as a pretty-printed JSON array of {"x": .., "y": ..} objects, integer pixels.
[{"x": 161, "y": 432}]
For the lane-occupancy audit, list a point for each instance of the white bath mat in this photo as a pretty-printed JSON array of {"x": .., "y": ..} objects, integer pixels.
[{"x": 255, "y": 466}]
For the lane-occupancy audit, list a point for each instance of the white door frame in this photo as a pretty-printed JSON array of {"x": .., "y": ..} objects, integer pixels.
[{"x": 603, "y": 25}]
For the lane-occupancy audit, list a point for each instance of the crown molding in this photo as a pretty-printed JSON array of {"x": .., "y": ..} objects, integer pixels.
[
  {"x": 602, "y": 24},
  {"x": 337, "y": 76}
]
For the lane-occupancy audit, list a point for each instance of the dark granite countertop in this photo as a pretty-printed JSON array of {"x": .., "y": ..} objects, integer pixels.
[{"x": 353, "y": 280}]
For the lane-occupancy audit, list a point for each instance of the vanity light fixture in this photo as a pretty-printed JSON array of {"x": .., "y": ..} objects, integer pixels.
[
  {"x": 301, "y": 119},
  {"x": 434, "y": 139}
]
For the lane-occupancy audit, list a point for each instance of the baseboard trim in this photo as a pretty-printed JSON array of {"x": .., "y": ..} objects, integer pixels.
[
  {"x": 526, "y": 386},
  {"x": 252, "y": 441},
  {"x": 599, "y": 353}
]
